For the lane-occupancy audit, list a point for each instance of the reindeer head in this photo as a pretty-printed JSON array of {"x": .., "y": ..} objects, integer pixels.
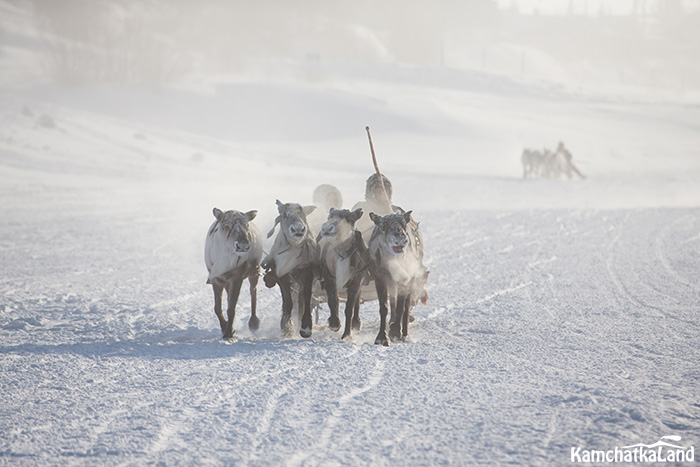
[
  {"x": 392, "y": 228},
  {"x": 292, "y": 218},
  {"x": 340, "y": 224},
  {"x": 235, "y": 226}
]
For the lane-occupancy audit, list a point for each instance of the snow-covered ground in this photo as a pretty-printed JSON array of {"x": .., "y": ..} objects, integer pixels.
[{"x": 562, "y": 314}]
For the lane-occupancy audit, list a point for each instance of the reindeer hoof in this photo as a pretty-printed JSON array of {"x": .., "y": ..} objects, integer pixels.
[
  {"x": 305, "y": 332},
  {"x": 334, "y": 323},
  {"x": 270, "y": 280},
  {"x": 287, "y": 329},
  {"x": 382, "y": 340},
  {"x": 356, "y": 324},
  {"x": 254, "y": 323},
  {"x": 394, "y": 334},
  {"x": 229, "y": 335}
]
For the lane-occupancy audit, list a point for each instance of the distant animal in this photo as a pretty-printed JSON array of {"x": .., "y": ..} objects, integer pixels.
[
  {"x": 549, "y": 164},
  {"x": 530, "y": 162},
  {"x": 546, "y": 166},
  {"x": 343, "y": 262},
  {"x": 290, "y": 264},
  {"x": 232, "y": 253},
  {"x": 396, "y": 254}
]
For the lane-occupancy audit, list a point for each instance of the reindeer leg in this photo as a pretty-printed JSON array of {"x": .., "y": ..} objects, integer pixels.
[
  {"x": 218, "y": 292},
  {"x": 332, "y": 293},
  {"x": 353, "y": 293},
  {"x": 392, "y": 306},
  {"x": 287, "y": 305},
  {"x": 254, "y": 321},
  {"x": 406, "y": 317},
  {"x": 232, "y": 291},
  {"x": 299, "y": 303},
  {"x": 397, "y": 317},
  {"x": 356, "y": 321},
  {"x": 382, "y": 337},
  {"x": 306, "y": 285}
]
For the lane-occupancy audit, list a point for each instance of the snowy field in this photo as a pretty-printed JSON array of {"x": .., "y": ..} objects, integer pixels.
[{"x": 562, "y": 313}]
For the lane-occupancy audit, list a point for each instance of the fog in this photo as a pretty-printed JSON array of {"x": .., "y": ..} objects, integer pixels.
[
  {"x": 640, "y": 43},
  {"x": 471, "y": 84}
]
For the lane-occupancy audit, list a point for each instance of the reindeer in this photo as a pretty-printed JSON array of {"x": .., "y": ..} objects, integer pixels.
[
  {"x": 396, "y": 253},
  {"x": 291, "y": 263},
  {"x": 529, "y": 160},
  {"x": 343, "y": 262},
  {"x": 232, "y": 253}
]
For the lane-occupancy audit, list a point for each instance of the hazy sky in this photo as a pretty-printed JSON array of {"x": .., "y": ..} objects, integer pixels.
[{"x": 592, "y": 7}]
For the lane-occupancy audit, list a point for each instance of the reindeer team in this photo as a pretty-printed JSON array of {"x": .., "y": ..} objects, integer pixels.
[
  {"x": 549, "y": 164},
  {"x": 372, "y": 252},
  {"x": 374, "y": 242}
]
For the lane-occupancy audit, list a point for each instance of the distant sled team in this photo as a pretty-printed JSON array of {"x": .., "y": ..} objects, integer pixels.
[
  {"x": 549, "y": 164},
  {"x": 349, "y": 253}
]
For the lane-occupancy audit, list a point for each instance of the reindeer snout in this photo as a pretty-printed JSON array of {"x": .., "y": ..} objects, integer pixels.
[
  {"x": 401, "y": 241},
  {"x": 241, "y": 247},
  {"x": 398, "y": 244},
  {"x": 328, "y": 230},
  {"x": 298, "y": 229}
]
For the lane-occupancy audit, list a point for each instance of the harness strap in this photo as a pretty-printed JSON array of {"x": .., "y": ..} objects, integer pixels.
[{"x": 272, "y": 232}]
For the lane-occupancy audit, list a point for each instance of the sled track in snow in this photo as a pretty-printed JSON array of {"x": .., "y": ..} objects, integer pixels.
[
  {"x": 649, "y": 262},
  {"x": 661, "y": 251},
  {"x": 319, "y": 449}
]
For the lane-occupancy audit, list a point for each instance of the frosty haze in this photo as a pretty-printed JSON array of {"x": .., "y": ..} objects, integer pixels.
[{"x": 562, "y": 314}]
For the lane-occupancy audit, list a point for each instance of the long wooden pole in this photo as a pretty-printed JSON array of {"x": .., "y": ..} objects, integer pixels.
[{"x": 376, "y": 168}]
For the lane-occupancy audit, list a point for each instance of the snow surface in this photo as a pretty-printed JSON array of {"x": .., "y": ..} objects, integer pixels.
[{"x": 561, "y": 313}]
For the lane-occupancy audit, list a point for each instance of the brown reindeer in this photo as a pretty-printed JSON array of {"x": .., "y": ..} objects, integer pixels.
[
  {"x": 232, "y": 253},
  {"x": 290, "y": 264}
]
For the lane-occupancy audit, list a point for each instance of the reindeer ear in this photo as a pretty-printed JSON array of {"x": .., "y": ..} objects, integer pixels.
[
  {"x": 218, "y": 213},
  {"x": 308, "y": 210},
  {"x": 357, "y": 213},
  {"x": 251, "y": 215},
  {"x": 375, "y": 218},
  {"x": 280, "y": 206},
  {"x": 407, "y": 216}
]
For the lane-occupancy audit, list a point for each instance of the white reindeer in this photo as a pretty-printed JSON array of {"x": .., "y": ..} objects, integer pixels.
[
  {"x": 396, "y": 252},
  {"x": 232, "y": 253},
  {"x": 343, "y": 262},
  {"x": 291, "y": 263}
]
